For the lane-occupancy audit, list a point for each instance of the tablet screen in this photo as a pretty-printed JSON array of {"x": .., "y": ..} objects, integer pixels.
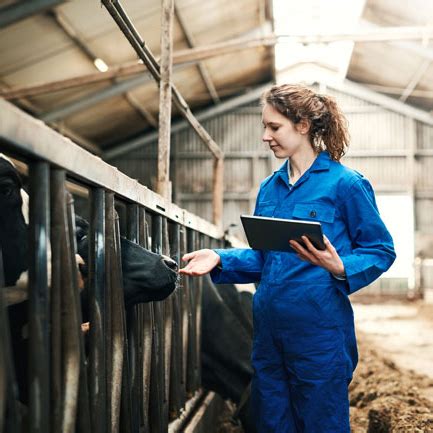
[{"x": 265, "y": 233}]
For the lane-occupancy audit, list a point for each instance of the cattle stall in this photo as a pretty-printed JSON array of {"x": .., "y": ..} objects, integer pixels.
[{"x": 137, "y": 368}]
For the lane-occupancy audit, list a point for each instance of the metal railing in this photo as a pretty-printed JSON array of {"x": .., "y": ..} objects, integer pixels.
[{"x": 142, "y": 364}]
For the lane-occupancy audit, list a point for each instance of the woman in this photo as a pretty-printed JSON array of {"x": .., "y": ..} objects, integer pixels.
[{"x": 304, "y": 350}]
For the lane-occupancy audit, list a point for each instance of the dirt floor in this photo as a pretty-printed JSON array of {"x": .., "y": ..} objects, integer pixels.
[{"x": 392, "y": 389}]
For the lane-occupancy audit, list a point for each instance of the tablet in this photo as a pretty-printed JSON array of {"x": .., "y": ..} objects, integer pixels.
[{"x": 265, "y": 233}]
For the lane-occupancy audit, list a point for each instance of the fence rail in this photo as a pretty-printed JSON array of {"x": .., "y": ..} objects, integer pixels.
[{"x": 137, "y": 367}]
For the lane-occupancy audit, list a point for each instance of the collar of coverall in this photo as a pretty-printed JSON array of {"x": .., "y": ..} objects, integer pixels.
[{"x": 321, "y": 163}]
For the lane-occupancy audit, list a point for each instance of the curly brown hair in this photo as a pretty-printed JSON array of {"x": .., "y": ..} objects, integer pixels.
[{"x": 328, "y": 125}]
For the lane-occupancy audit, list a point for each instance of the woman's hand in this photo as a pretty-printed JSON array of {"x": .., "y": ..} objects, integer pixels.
[
  {"x": 200, "y": 262},
  {"x": 328, "y": 258}
]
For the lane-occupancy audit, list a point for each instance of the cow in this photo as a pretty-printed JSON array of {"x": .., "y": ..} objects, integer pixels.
[
  {"x": 226, "y": 342},
  {"x": 13, "y": 225},
  {"x": 146, "y": 276}
]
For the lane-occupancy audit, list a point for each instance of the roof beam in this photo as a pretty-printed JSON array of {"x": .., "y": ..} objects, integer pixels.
[
  {"x": 399, "y": 90},
  {"x": 387, "y": 102},
  {"x": 24, "y": 9},
  {"x": 421, "y": 70},
  {"x": 97, "y": 97},
  {"x": 200, "y": 53},
  {"x": 78, "y": 139},
  {"x": 203, "y": 70},
  {"x": 181, "y": 125},
  {"x": 362, "y": 34},
  {"x": 181, "y": 57}
]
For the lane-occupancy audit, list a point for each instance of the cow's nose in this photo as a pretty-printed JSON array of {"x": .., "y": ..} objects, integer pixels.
[{"x": 170, "y": 263}]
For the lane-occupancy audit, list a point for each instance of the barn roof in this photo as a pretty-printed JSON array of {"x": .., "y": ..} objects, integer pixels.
[{"x": 57, "y": 43}]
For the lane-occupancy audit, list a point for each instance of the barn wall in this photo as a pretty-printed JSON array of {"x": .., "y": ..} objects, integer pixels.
[{"x": 393, "y": 151}]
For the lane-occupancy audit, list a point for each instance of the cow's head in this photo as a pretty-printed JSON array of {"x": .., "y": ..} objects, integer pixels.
[
  {"x": 13, "y": 228},
  {"x": 146, "y": 276}
]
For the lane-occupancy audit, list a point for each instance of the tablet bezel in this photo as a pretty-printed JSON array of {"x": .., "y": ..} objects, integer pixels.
[{"x": 267, "y": 233}]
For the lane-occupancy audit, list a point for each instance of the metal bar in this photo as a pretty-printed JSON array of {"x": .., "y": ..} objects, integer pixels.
[
  {"x": 69, "y": 323},
  {"x": 184, "y": 300},
  {"x": 200, "y": 239},
  {"x": 83, "y": 410},
  {"x": 168, "y": 330},
  {"x": 149, "y": 60},
  {"x": 114, "y": 330},
  {"x": 120, "y": 17},
  {"x": 19, "y": 11},
  {"x": 146, "y": 320},
  {"x": 191, "y": 380},
  {"x": 98, "y": 388},
  {"x": 57, "y": 197},
  {"x": 157, "y": 378},
  {"x": 21, "y": 133},
  {"x": 178, "y": 126},
  {"x": 133, "y": 331},
  {"x": 39, "y": 346},
  {"x": 177, "y": 388}
]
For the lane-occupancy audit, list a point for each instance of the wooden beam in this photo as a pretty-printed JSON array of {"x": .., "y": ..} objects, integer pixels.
[
  {"x": 58, "y": 126},
  {"x": 221, "y": 48},
  {"x": 181, "y": 57},
  {"x": 165, "y": 96},
  {"x": 218, "y": 192}
]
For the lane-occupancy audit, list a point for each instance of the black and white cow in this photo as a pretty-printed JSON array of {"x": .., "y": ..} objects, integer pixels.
[
  {"x": 13, "y": 225},
  {"x": 146, "y": 276}
]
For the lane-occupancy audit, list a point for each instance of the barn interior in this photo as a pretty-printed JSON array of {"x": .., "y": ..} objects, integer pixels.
[{"x": 158, "y": 103}]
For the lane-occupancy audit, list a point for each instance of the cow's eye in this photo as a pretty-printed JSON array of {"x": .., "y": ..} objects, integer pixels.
[{"x": 7, "y": 192}]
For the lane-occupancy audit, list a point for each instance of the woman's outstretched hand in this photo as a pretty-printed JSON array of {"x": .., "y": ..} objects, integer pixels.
[
  {"x": 200, "y": 262},
  {"x": 328, "y": 258}
]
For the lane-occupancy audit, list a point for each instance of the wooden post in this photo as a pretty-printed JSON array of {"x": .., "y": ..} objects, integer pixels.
[
  {"x": 218, "y": 191},
  {"x": 163, "y": 182}
]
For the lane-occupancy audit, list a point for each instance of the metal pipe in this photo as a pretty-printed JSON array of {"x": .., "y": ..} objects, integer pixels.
[
  {"x": 158, "y": 424},
  {"x": 83, "y": 410},
  {"x": 191, "y": 380},
  {"x": 39, "y": 315},
  {"x": 98, "y": 388},
  {"x": 133, "y": 331},
  {"x": 177, "y": 388},
  {"x": 130, "y": 34}
]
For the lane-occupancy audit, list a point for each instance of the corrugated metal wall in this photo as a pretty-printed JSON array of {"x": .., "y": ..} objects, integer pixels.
[{"x": 393, "y": 151}]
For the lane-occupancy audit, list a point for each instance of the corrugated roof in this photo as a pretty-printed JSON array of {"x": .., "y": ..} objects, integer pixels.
[{"x": 38, "y": 50}]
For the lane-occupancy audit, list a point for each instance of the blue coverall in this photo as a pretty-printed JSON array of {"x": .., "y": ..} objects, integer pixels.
[{"x": 304, "y": 348}]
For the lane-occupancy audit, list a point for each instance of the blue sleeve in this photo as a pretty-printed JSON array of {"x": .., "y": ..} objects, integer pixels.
[
  {"x": 372, "y": 245},
  {"x": 238, "y": 265}
]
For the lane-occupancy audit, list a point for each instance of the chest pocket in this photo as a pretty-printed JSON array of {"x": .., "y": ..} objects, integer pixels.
[
  {"x": 266, "y": 209},
  {"x": 314, "y": 212}
]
